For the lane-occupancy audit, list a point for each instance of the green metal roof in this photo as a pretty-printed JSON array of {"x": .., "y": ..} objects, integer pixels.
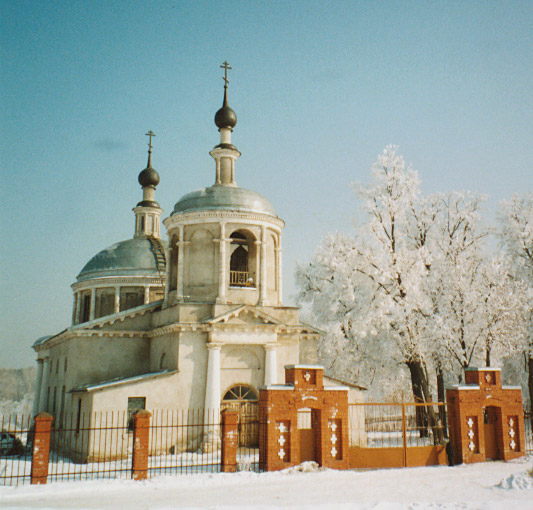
[
  {"x": 133, "y": 257},
  {"x": 227, "y": 198}
]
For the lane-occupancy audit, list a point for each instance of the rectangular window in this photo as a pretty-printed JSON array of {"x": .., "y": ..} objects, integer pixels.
[
  {"x": 78, "y": 418},
  {"x": 62, "y": 408},
  {"x": 65, "y": 369},
  {"x": 134, "y": 404},
  {"x": 54, "y": 402}
]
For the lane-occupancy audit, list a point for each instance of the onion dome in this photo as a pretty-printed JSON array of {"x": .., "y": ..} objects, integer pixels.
[
  {"x": 149, "y": 177},
  {"x": 226, "y": 116}
]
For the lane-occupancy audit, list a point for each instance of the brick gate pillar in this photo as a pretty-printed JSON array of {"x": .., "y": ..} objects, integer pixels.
[
  {"x": 230, "y": 441},
  {"x": 41, "y": 448},
  {"x": 141, "y": 441}
]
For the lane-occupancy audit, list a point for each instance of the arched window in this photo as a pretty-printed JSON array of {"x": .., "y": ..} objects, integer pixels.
[
  {"x": 242, "y": 260},
  {"x": 162, "y": 361},
  {"x": 240, "y": 393}
]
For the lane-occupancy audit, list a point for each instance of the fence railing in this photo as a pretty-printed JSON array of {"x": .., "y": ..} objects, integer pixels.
[
  {"x": 380, "y": 425},
  {"x": 101, "y": 445},
  {"x": 528, "y": 426}
]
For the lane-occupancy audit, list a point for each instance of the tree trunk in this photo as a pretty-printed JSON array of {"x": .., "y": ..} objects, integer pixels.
[
  {"x": 487, "y": 357},
  {"x": 441, "y": 397},
  {"x": 425, "y": 415},
  {"x": 530, "y": 384}
]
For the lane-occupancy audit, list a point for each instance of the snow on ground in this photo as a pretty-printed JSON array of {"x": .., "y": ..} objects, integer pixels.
[{"x": 486, "y": 486}]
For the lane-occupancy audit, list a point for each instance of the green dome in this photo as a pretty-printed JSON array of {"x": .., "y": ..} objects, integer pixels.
[
  {"x": 226, "y": 198},
  {"x": 133, "y": 257}
]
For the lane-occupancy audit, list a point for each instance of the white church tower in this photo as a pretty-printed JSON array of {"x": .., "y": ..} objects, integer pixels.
[{"x": 224, "y": 241}]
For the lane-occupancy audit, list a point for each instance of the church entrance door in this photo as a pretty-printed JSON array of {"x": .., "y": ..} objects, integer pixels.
[{"x": 243, "y": 400}]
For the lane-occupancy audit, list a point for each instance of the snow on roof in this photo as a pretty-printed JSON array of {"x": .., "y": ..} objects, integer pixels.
[
  {"x": 122, "y": 380},
  {"x": 343, "y": 383},
  {"x": 464, "y": 387},
  {"x": 278, "y": 387},
  {"x": 475, "y": 369},
  {"x": 314, "y": 367}
]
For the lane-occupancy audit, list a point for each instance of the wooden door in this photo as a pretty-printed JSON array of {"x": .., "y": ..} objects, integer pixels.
[
  {"x": 306, "y": 434},
  {"x": 490, "y": 423}
]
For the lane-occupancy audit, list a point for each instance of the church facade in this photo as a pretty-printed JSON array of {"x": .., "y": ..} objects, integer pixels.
[{"x": 197, "y": 322}]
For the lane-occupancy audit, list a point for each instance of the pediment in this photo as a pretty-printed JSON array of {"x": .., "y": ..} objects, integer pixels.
[{"x": 245, "y": 314}]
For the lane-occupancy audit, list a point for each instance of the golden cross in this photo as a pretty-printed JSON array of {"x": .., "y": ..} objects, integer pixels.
[
  {"x": 225, "y": 66},
  {"x": 150, "y": 134}
]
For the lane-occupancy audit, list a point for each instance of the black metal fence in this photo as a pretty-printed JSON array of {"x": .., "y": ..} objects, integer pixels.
[
  {"x": 15, "y": 449},
  {"x": 100, "y": 445}
]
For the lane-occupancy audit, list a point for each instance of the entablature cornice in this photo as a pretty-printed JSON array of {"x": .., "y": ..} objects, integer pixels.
[
  {"x": 85, "y": 333},
  {"x": 114, "y": 281},
  {"x": 217, "y": 216}
]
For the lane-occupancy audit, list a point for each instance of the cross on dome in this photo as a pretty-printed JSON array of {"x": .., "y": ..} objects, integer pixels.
[
  {"x": 225, "y": 66},
  {"x": 150, "y": 134}
]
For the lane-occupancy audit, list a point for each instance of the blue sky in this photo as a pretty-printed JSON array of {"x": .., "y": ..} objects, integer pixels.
[{"x": 320, "y": 88}]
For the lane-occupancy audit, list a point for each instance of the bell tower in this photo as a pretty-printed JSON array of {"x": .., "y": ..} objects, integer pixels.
[{"x": 224, "y": 241}]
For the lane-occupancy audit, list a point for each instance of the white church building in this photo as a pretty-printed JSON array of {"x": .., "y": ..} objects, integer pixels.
[{"x": 197, "y": 322}]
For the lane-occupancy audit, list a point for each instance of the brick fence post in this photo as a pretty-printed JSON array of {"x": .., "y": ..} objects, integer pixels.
[
  {"x": 230, "y": 441},
  {"x": 141, "y": 440},
  {"x": 41, "y": 448}
]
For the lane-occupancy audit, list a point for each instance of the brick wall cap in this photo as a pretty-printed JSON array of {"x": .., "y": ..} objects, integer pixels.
[
  {"x": 278, "y": 387},
  {"x": 512, "y": 388},
  {"x": 44, "y": 416},
  {"x": 485, "y": 369},
  {"x": 336, "y": 388},
  {"x": 463, "y": 387},
  {"x": 311, "y": 367}
]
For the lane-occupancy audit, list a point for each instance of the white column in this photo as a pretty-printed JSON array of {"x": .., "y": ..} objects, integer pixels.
[
  {"x": 263, "y": 266},
  {"x": 146, "y": 294},
  {"x": 271, "y": 365},
  {"x": 80, "y": 306},
  {"x": 279, "y": 274},
  {"x": 117, "y": 299},
  {"x": 181, "y": 266},
  {"x": 168, "y": 258},
  {"x": 93, "y": 304},
  {"x": 222, "y": 265},
  {"x": 43, "y": 404},
  {"x": 38, "y": 384},
  {"x": 75, "y": 309},
  {"x": 212, "y": 386},
  {"x": 211, "y": 439}
]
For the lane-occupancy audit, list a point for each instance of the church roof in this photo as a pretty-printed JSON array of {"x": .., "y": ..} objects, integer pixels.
[
  {"x": 118, "y": 381},
  {"x": 133, "y": 257},
  {"x": 229, "y": 198}
]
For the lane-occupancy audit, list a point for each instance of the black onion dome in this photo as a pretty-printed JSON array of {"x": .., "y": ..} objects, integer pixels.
[
  {"x": 225, "y": 117},
  {"x": 149, "y": 177}
]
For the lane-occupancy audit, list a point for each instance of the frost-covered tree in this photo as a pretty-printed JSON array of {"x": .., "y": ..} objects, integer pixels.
[
  {"x": 379, "y": 273},
  {"x": 516, "y": 234},
  {"x": 457, "y": 255}
]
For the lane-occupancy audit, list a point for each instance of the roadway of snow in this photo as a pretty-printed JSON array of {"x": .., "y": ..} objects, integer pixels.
[{"x": 486, "y": 486}]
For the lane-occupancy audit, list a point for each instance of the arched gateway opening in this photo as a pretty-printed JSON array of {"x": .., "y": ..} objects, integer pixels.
[{"x": 243, "y": 399}]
